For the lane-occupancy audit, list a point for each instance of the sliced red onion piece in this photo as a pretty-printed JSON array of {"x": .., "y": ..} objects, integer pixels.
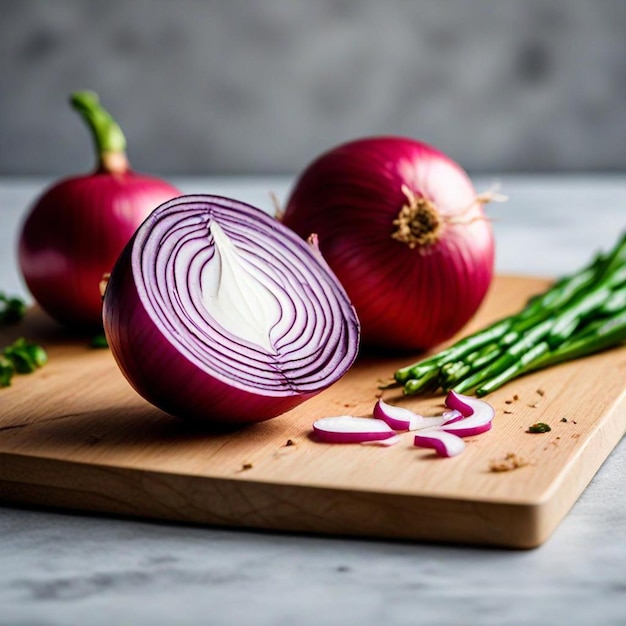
[
  {"x": 444, "y": 443},
  {"x": 217, "y": 312},
  {"x": 469, "y": 416},
  {"x": 384, "y": 443},
  {"x": 468, "y": 427},
  {"x": 452, "y": 416},
  {"x": 400, "y": 418},
  {"x": 478, "y": 421},
  {"x": 396, "y": 417},
  {"x": 347, "y": 429},
  {"x": 461, "y": 403}
]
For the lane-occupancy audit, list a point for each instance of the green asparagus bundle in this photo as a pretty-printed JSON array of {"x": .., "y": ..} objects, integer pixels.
[{"x": 578, "y": 315}]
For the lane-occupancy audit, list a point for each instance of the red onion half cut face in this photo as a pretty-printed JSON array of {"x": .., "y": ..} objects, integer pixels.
[{"x": 217, "y": 312}]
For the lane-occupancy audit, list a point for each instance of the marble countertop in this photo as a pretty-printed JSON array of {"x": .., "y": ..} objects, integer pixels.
[{"x": 65, "y": 569}]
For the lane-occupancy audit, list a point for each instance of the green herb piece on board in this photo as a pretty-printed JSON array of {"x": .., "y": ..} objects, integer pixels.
[
  {"x": 12, "y": 309},
  {"x": 99, "y": 341},
  {"x": 25, "y": 356},
  {"x": 539, "y": 427},
  {"x": 6, "y": 371}
]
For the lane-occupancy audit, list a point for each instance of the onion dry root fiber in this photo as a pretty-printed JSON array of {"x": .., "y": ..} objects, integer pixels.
[
  {"x": 403, "y": 228},
  {"x": 217, "y": 312}
]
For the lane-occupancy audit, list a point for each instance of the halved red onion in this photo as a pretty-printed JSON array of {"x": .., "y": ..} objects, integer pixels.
[
  {"x": 348, "y": 429},
  {"x": 217, "y": 312}
]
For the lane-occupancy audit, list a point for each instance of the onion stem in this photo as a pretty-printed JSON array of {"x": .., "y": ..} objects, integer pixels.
[{"x": 109, "y": 140}]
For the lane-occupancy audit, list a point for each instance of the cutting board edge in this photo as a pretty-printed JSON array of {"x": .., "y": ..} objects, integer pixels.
[{"x": 158, "y": 495}]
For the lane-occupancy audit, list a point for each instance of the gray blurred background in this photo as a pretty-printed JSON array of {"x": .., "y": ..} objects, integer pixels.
[{"x": 261, "y": 87}]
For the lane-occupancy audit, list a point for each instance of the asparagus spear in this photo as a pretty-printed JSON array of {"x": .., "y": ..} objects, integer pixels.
[
  {"x": 601, "y": 336},
  {"x": 567, "y": 310}
]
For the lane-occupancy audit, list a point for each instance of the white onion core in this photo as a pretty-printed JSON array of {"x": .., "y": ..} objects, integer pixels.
[{"x": 234, "y": 294}]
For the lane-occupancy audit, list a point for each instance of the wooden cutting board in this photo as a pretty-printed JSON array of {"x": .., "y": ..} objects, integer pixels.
[{"x": 75, "y": 435}]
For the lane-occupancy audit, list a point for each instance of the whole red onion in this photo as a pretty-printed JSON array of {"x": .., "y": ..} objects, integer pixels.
[
  {"x": 76, "y": 230},
  {"x": 403, "y": 229}
]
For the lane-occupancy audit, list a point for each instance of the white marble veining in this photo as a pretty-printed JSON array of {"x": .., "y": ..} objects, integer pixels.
[{"x": 58, "y": 569}]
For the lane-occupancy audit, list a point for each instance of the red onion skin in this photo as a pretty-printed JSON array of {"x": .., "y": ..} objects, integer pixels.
[
  {"x": 74, "y": 234},
  {"x": 164, "y": 373},
  {"x": 406, "y": 299}
]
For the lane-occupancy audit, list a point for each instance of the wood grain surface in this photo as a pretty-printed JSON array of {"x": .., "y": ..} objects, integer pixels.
[{"x": 75, "y": 435}]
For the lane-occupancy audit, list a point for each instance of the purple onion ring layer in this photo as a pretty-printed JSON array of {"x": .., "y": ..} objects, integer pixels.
[{"x": 217, "y": 312}]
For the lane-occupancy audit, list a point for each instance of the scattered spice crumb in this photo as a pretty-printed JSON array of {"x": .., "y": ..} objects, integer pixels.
[
  {"x": 533, "y": 405},
  {"x": 573, "y": 422},
  {"x": 510, "y": 462},
  {"x": 508, "y": 412},
  {"x": 539, "y": 427},
  {"x": 246, "y": 466},
  {"x": 290, "y": 442},
  {"x": 508, "y": 402},
  {"x": 515, "y": 397},
  {"x": 564, "y": 419},
  {"x": 575, "y": 436},
  {"x": 541, "y": 392}
]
